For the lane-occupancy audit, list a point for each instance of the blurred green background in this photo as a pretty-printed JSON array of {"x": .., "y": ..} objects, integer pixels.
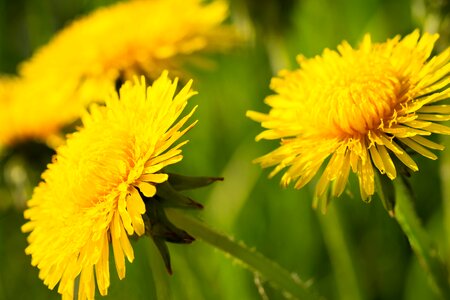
[{"x": 355, "y": 251}]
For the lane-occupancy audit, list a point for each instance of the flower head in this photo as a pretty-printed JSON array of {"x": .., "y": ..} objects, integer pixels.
[
  {"x": 92, "y": 193},
  {"x": 84, "y": 61},
  {"x": 142, "y": 36},
  {"x": 27, "y": 114},
  {"x": 360, "y": 109}
]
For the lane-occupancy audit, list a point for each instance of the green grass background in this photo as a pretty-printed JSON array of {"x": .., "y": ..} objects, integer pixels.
[{"x": 356, "y": 251}]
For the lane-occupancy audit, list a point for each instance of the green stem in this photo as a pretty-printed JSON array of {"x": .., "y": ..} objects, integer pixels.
[
  {"x": 420, "y": 241},
  {"x": 256, "y": 262},
  {"x": 340, "y": 254},
  {"x": 159, "y": 272},
  {"x": 445, "y": 179}
]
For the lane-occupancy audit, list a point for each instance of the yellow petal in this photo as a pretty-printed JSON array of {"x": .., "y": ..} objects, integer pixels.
[
  {"x": 147, "y": 189},
  {"x": 418, "y": 148},
  {"x": 156, "y": 178},
  {"x": 119, "y": 258},
  {"x": 391, "y": 172}
]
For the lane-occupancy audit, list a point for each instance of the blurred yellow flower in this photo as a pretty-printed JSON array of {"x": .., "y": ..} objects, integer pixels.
[
  {"x": 84, "y": 61},
  {"x": 129, "y": 37},
  {"x": 91, "y": 195},
  {"x": 353, "y": 109},
  {"x": 29, "y": 111}
]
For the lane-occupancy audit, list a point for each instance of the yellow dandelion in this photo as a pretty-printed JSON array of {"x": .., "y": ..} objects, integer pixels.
[
  {"x": 144, "y": 36},
  {"x": 91, "y": 194},
  {"x": 24, "y": 115},
  {"x": 84, "y": 61},
  {"x": 357, "y": 109}
]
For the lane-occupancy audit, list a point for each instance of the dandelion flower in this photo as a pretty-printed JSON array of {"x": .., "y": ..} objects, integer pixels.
[
  {"x": 143, "y": 36},
  {"x": 24, "y": 116},
  {"x": 92, "y": 193},
  {"x": 363, "y": 109},
  {"x": 84, "y": 61}
]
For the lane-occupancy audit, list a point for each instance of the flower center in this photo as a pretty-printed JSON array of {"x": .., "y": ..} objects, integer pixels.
[{"x": 358, "y": 93}]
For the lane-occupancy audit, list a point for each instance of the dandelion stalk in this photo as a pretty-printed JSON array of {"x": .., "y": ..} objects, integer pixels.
[
  {"x": 340, "y": 254},
  {"x": 420, "y": 241},
  {"x": 253, "y": 260},
  {"x": 445, "y": 179},
  {"x": 160, "y": 276}
]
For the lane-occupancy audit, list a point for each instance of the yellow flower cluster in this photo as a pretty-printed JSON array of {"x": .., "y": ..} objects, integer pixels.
[
  {"x": 92, "y": 193},
  {"x": 83, "y": 62},
  {"x": 362, "y": 110}
]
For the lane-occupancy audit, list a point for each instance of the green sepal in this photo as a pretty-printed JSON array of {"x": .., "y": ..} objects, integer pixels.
[
  {"x": 172, "y": 198},
  {"x": 161, "y": 230},
  {"x": 159, "y": 242},
  {"x": 384, "y": 187},
  {"x": 161, "y": 227},
  {"x": 164, "y": 251},
  {"x": 157, "y": 226},
  {"x": 181, "y": 182}
]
